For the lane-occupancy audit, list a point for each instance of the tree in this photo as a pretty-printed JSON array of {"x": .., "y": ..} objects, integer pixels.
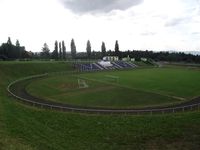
[
  {"x": 18, "y": 49},
  {"x": 55, "y": 52},
  {"x": 73, "y": 49},
  {"x": 10, "y": 49},
  {"x": 17, "y": 43},
  {"x": 9, "y": 41},
  {"x": 63, "y": 50},
  {"x": 103, "y": 49},
  {"x": 45, "y": 51},
  {"x": 88, "y": 49},
  {"x": 60, "y": 51},
  {"x": 116, "y": 48}
]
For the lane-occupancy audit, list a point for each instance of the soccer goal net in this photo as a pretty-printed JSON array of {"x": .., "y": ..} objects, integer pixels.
[
  {"x": 82, "y": 83},
  {"x": 111, "y": 78}
]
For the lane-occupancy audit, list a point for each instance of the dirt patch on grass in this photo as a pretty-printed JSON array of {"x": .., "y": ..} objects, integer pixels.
[
  {"x": 66, "y": 86},
  {"x": 97, "y": 89},
  {"x": 87, "y": 90}
]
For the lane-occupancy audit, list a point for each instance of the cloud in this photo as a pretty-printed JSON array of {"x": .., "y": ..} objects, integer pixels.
[
  {"x": 98, "y": 6},
  {"x": 177, "y": 21},
  {"x": 195, "y": 33},
  {"x": 148, "y": 33}
]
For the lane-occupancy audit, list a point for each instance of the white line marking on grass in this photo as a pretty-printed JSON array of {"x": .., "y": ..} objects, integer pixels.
[{"x": 137, "y": 89}]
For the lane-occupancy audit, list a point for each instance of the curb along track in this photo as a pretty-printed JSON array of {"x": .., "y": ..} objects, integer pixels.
[{"x": 18, "y": 91}]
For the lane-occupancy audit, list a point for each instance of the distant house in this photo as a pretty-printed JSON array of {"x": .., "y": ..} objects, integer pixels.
[
  {"x": 126, "y": 58},
  {"x": 133, "y": 59},
  {"x": 111, "y": 58},
  {"x": 144, "y": 59}
]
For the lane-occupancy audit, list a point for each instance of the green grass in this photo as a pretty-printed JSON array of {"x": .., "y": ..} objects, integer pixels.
[
  {"x": 99, "y": 94},
  {"x": 24, "y": 127},
  {"x": 178, "y": 82},
  {"x": 135, "y": 88}
]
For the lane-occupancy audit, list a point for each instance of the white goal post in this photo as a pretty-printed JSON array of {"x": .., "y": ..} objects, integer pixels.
[{"x": 82, "y": 83}]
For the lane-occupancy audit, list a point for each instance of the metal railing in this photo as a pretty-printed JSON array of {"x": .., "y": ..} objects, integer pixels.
[{"x": 96, "y": 110}]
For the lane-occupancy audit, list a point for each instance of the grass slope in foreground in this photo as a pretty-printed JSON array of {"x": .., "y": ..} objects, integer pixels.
[
  {"x": 23, "y": 127},
  {"x": 135, "y": 88}
]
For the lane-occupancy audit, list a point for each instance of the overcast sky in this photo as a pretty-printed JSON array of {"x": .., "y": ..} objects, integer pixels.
[{"x": 136, "y": 24}]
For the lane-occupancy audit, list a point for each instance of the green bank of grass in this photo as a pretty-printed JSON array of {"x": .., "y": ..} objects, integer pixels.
[{"x": 24, "y": 127}]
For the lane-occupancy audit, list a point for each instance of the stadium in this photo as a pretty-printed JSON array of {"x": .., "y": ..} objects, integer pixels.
[
  {"x": 115, "y": 108},
  {"x": 100, "y": 75},
  {"x": 112, "y": 87}
]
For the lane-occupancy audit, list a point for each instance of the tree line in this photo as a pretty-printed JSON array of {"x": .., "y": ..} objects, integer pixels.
[
  {"x": 59, "y": 52},
  {"x": 10, "y": 51}
]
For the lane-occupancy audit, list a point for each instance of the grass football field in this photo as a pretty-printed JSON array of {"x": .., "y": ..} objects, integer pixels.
[{"x": 121, "y": 89}]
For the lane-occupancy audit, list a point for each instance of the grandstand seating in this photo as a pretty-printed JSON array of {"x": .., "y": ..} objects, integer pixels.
[
  {"x": 123, "y": 64},
  {"x": 89, "y": 67},
  {"x": 117, "y": 66},
  {"x": 98, "y": 66}
]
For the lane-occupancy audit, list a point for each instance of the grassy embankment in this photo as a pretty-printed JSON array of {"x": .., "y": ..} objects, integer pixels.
[{"x": 24, "y": 127}]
